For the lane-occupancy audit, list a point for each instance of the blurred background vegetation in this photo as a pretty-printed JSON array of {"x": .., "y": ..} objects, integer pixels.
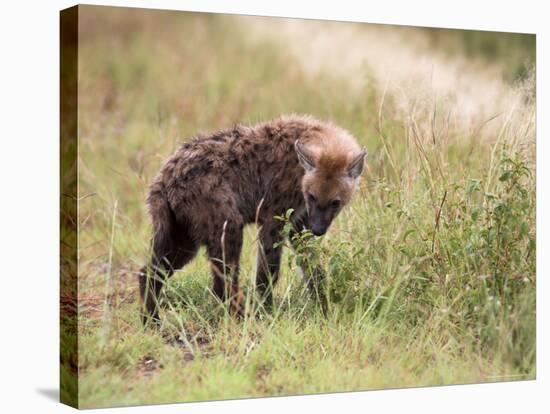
[{"x": 513, "y": 52}]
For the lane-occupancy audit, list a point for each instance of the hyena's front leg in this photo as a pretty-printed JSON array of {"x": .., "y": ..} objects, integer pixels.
[
  {"x": 269, "y": 260},
  {"x": 309, "y": 263},
  {"x": 224, "y": 250}
]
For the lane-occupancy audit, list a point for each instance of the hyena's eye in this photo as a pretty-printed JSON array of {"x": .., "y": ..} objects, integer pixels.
[
  {"x": 335, "y": 204},
  {"x": 311, "y": 198}
]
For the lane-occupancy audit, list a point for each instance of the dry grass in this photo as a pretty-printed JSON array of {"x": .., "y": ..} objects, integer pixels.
[{"x": 468, "y": 92}]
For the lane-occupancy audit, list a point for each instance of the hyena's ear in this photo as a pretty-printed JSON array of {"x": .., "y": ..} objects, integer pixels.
[
  {"x": 356, "y": 166},
  {"x": 305, "y": 159}
]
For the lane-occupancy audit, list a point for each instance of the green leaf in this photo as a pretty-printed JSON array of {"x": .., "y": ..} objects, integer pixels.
[{"x": 506, "y": 176}]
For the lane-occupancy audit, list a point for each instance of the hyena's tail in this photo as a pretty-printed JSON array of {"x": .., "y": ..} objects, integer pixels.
[
  {"x": 173, "y": 247},
  {"x": 151, "y": 276},
  {"x": 164, "y": 222},
  {"x": 173, "y": 241}
]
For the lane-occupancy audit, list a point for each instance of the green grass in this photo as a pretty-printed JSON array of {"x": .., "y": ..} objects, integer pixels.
[{"x": 431, "y": 270}]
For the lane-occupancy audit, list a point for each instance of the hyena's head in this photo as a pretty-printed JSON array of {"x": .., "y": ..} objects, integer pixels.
[{"x": 331, "y": 176}]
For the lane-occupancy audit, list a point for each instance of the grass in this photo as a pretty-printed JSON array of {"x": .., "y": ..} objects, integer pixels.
[
  {"x": 431, "y": 270},
  {"x": 514, "y": 51}
]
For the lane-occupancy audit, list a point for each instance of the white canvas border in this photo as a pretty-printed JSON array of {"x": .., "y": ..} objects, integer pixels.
[{"x": 29, "y": 167}]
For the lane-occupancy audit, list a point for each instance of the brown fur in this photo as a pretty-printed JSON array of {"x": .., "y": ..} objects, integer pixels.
[{"x": 216, "y": 184}]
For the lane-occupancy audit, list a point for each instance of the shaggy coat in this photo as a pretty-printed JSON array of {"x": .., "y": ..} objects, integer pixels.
[{"x": 216, "y": 184}]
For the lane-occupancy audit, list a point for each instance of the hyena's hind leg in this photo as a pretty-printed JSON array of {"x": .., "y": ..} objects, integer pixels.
[
  {"x": 224, "y": 250},
  {"x": 173, "y": 248},
  {"x": 310, "y": 265},
  {"x": 269, "y": 260}
]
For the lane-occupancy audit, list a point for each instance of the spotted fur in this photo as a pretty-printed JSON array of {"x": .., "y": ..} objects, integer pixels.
[{"x": 216, "y": 184}]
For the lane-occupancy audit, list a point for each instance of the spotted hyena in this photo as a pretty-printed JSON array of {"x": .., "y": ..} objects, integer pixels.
[{"x": 216, "y": 184}]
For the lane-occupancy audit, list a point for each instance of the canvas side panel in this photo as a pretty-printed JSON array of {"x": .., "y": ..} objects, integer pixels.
[{"x": 68, "y": 206}]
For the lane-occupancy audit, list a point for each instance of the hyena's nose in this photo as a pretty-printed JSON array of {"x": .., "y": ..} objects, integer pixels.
[{"x": 318, "y": 230}]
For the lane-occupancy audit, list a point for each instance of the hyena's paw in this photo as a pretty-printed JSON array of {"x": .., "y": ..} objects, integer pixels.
[
  {"x": 150, "y": 321},
  {"x": 265, "y": 302},
  {"x": 237, "y": 307}
]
